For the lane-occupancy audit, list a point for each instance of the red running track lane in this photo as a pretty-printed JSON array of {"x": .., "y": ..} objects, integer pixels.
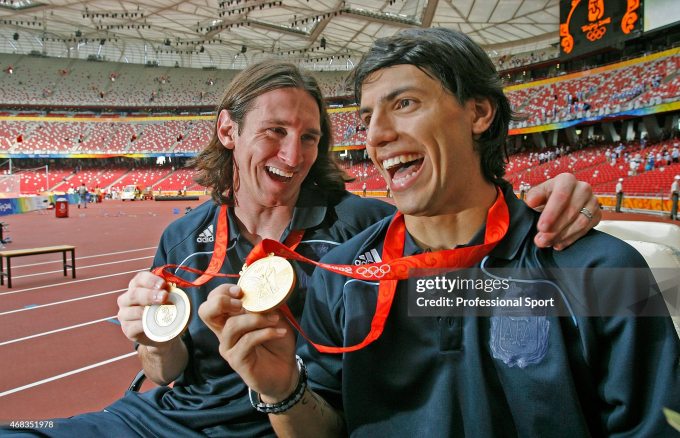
[
  {"x": 34, "y": 360},
  {"x": 60, "y": 353}
]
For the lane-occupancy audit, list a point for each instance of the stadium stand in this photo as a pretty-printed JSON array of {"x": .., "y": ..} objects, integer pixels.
[
  {"x": 618, "y": 87},
  {"x": 146, "y": 176},
  {"x": 199, "y": 134},
  {"x": 513, "y": 61},
  {"x": 178, "y": 180}
]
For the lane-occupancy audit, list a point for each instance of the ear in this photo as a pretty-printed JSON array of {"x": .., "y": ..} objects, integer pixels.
[
  {"x": 226, "y": 129},
  {"x": 484, "y": 113}
]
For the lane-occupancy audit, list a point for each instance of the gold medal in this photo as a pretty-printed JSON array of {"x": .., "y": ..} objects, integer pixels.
[
  {"x": 164, "y": 322},
  {"x": 266, "y": 284}
]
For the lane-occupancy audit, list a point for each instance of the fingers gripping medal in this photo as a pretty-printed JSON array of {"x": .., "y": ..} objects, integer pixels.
[
  {"x": 164, "y": 322},
  {"x": 266, "y": 283}
]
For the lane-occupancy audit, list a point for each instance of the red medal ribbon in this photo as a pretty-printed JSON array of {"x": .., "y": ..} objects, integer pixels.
[
  {"x": 219, "y": 254},
  {"x": 395, "y": 267}
]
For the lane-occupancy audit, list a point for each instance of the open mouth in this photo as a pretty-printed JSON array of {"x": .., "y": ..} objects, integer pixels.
[
  {"x": 403, "y": 167},
  {"x": 278, "y": 175}
]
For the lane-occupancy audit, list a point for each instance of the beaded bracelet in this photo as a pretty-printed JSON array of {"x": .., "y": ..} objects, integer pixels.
[{"x": 290, "y": 401}]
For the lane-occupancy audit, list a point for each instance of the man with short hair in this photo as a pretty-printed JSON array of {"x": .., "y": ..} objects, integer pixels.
[
  {"x": 270, "y": 171},
  {"x": 437, "y": 122}
]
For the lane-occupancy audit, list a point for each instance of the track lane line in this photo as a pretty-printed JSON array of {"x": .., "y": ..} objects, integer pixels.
[
  {"x": 55, "y": 331},
  {"x": 70, "y": 282},
  {"x": 61, "y": 302},
  {"x": 86, "y": 257},
  {"x": 82, "y": 267},
  {"x": 70, "y": 373}
]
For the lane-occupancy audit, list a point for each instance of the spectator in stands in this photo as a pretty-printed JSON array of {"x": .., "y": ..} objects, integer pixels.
[
  {"x": 363, "y": 187},
  {"x": 523, "y": 187},
  {"x": 82, "y": 192},
  {"x": 619, "y": 195},
  {"x": 651, "y": 161},
  {"x": 675, "y": 191},
  {"x": 619, "y": 150},
  {"x": 450, "y": 375},
  {"x": 207, "y": 397}
]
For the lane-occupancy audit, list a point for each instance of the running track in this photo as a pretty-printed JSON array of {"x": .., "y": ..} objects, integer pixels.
[{"x": 62, "y": 351}]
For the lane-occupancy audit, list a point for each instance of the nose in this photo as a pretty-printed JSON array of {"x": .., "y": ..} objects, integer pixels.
[
  {"x": 291, "y": 151},
  {"x": 380, "y": 130}
]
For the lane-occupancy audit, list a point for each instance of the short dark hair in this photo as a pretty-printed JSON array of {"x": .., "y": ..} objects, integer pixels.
[
  {"x": 461, "y": 67},
  {"x": 215, "y": 163}
]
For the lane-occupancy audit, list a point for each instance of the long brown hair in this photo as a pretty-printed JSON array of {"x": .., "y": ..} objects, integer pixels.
[{"x": 215, "y": 163}]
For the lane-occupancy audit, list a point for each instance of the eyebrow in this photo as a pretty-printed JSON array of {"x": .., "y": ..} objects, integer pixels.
[
  {"x": 285, "y": 123},
  {"x": 388, "y": 97}
]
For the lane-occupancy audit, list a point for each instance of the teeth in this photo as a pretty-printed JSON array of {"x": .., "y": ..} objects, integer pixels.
[
  {"x": 401, "y": 180},
  {"x": 391, "y": 162},
  {"x": 276, "y": 171}
]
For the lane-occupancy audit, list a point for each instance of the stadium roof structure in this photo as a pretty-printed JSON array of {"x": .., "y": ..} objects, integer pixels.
[{"x": 230, "y": 33}]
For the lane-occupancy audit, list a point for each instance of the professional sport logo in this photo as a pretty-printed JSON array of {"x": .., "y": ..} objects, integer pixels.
[{"x": 206, "y": 236}]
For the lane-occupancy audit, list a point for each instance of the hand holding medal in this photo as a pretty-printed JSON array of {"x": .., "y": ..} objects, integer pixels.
[
  {"x": 164, "y": 322},
  {"x": 268, "y": 278},
  {"x": 265, "y": 283}
]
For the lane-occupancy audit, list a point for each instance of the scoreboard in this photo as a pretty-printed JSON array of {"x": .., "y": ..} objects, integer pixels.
[{"x": 590, "y": 25}]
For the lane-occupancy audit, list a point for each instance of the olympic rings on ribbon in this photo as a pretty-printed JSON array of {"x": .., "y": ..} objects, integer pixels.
[{"x": 374, "y": 271}]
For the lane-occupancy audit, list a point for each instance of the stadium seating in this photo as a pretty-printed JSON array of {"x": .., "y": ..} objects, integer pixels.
[
  {"x": 146, "y": 176},
  {"x": 198, "y": 136},
  {"x": 347, "y": 128},
  {"x": 180, "y": 179}
]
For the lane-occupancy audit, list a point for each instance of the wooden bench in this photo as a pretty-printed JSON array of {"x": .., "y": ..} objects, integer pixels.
[{"x": 8, "y": 255}]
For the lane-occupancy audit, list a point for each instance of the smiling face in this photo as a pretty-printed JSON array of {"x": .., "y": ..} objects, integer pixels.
[
  {"x": 276, "y": 147},
  {"x": 421, "y": 140}
]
